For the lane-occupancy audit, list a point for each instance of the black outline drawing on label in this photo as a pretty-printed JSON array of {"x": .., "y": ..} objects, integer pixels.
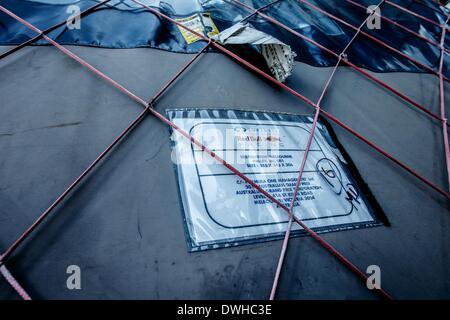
[{"x": 199, "y": 176}]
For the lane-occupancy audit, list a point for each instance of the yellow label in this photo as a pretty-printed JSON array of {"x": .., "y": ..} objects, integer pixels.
[{"x": 200, "y": 23}]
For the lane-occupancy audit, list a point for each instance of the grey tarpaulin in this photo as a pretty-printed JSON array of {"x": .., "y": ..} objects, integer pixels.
[{"x": 123, "y": 227}]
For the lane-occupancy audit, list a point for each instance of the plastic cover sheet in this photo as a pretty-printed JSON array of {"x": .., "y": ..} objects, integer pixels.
[
  {"x": 278, "y": 55},
  {"x": 220, "y": 209},
  {"x": 124, "y": 24}
]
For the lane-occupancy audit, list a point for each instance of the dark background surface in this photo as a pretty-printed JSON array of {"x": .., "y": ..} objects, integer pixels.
[{"x": 123, "y": 224}]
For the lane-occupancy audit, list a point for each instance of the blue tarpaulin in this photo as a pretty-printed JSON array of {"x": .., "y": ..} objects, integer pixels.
[{"x": 124, "y": 24}]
